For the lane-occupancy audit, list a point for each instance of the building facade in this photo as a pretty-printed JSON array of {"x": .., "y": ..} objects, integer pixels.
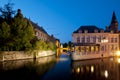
[{"x": 93, "y": 39}]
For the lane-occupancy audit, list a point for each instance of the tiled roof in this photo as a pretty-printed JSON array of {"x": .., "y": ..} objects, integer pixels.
[{"x": 90, "y": 29}]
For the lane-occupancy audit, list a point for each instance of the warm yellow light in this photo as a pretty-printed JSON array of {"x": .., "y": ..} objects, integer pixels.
[
  {"x": 78, "y": 70},
  {"x": 106, "y": 73},
  {"x": 92, "y": 69},
  {"x": 118, "y": 53},
  {"x": 118, "y": 60}
]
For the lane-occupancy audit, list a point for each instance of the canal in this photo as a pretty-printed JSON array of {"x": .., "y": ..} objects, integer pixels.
[{"x": 62, "y": 68}]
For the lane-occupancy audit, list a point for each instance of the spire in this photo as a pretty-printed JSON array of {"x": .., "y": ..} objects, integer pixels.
[
  {"x": 114, "y": 23},
  {"x": 114, "y": 19}
]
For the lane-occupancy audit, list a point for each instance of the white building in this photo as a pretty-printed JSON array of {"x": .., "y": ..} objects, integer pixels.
[{"x": 91, "y": 39}]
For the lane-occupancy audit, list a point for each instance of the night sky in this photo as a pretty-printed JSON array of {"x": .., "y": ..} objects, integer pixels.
[{"x": 62, "y": 17}]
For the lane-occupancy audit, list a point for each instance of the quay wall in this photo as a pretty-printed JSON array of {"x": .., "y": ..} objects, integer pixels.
[{"x": 16, "y": 55}]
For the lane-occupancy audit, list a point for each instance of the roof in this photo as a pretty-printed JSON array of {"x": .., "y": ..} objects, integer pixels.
[
  {"x": 90, "y": 29},
  {"x": 35, "y": 25}
]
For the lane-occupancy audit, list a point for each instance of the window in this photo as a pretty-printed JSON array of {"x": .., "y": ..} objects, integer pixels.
[
  {"x": 96, "y": 31},
  {"x": 99, "y": 39},
  {"x": 102, "y": 48},
  {"x": 115, "y": 39},
  {"x": 112, "y": 40},
  {"x": 94, "y": 39},
  {"x": 88, "y": 39},
  {"x": 111, "y": 31},
  {"x": 83, "y": 39},
  {"x": 78, "y": 39},
  {"x": 80, "y": 31},
  {"x": 102, "y": 31},
  {"x": 85, "y": 31}
]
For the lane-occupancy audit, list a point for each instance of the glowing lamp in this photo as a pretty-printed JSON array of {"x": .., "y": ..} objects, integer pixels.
[{"x": 118, "y": 53}]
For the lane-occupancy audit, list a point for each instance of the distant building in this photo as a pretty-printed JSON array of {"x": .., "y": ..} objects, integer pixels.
[
  {"x": 41, "y": 34},
  {"x": 94, "y": 39}
]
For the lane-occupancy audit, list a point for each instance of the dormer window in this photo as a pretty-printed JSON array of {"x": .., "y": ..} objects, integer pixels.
[
  {"x": 85, "y": 31},
  {"x": 111, "y": 31},
  {"x": 101, "y": 31},
  {"x": 96, "y": 31},
  {"x": 80, "y": 31}
]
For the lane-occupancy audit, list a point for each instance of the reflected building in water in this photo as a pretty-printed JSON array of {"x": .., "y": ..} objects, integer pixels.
[
  {"x": 26, "y": 69},
  {"x": 100, "y": 69}
]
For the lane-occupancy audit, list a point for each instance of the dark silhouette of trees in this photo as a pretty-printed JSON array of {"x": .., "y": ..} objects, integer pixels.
[{"x": 7, "y": 12}]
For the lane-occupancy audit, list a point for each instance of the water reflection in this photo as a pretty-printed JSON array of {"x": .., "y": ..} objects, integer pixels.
[
  {"x": 100, "y": 69},
  {"x": 26, "y": 69}
]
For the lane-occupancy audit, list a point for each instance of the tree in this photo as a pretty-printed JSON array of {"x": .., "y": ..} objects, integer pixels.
[
  {"x": 4, "y": 36},
  {"x": 65, "y": 45},
  {"x": 7, "y": 12},
  {"x": 70, "y": 44},
  {"x": 22, "y": 32}
]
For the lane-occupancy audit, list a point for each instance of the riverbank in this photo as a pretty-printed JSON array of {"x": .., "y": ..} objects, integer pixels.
[{"x": 16, "y": 55}]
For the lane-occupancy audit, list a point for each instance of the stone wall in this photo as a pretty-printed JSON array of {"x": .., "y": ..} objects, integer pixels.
[{"x": 15, "y": 55}]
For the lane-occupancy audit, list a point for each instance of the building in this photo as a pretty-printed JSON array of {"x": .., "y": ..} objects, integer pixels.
[
  {"x": 41, "y": 34},
  {"x": 94, "y": 39}
]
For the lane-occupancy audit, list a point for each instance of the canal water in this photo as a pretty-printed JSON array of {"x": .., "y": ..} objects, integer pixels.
[{"x": 62, "y": 68}]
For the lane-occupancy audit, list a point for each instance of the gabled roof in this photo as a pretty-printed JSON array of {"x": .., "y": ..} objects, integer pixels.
[
  {"x": 90, "y": 29},
  {"x": 35, "y": 25}
]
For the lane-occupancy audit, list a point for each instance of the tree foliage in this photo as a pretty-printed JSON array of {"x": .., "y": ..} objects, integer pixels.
[{"x": 17, "y": 33}]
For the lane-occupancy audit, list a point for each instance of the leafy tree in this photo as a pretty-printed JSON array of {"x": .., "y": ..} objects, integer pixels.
[
  {"x": 4, "y": 36},
  {"x": 22, "y": 32},
  {"x": 17, "y": 33},
  {"x": 51, "y": 46},
  {"x": 70, "y": 44}
]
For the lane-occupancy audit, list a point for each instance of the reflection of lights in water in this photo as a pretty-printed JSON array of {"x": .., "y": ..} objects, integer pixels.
[
  {"x": 106, "y": 73},
  {"x": 87, "y": 68},
  {"x": 118, "y": 60},
  {"x": 82, "y": 69},
  {"x": 63, "y": 59},
  {"x": 92, "y": 69},
  {"x": 78, "y": 70}
]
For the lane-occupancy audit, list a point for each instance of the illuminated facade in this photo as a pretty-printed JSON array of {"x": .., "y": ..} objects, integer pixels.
[
  {"x": 93, "y": 39},
  {"x": 41, "y": 34},
  {"x": 91, "y": 42}
]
